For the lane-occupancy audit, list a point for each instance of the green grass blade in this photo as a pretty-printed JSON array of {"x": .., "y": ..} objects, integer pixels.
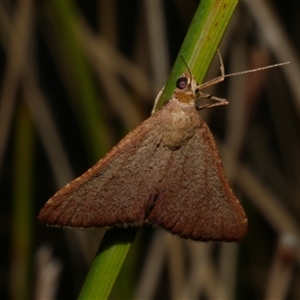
[
  {"x": 107, "y": 263},
  {"x": 201, "y": 42},
  {"x": 22, "y": 214},
  {"x": 199, "y": 47},
  {"x": 81, "y": 79}
]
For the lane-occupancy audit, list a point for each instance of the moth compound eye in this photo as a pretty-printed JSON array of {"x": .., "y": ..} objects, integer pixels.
[{"x": 181, "y": 83}]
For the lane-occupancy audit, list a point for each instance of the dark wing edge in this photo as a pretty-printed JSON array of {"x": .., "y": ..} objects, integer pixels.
[
  {"x": 195, "y": 200},
  {"x": 114, "y": 191}
]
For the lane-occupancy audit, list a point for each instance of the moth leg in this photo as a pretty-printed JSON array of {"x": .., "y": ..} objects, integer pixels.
[
  {"x": 217, "y": 79},
  {"x": 209, "y": 105},
  {"x": 156, "y": 100},
  {"x": 219, "y": 101}
]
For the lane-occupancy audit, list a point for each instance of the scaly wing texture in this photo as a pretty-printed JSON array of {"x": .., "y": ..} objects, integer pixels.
[
  {"x": 195, "y": 200},
  {"x": 118, "y": 189}
]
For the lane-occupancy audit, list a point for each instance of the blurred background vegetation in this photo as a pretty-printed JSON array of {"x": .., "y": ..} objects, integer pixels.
[{"x": 76, "y": 76}]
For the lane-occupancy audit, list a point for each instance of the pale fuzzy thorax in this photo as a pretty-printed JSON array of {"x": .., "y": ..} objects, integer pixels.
[
  {"x": 181, "y": 117},
  {"x": 180, "y": 123}
]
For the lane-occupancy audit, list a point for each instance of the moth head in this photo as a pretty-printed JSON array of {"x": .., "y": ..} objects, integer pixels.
[{"x": 186, "y": 88}]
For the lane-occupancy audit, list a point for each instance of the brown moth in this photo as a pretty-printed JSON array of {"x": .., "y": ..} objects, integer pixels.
[{"x": 166, "y": 172}]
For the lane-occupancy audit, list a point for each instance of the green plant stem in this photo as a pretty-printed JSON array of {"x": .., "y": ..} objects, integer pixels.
[{"x": 199, "y": 47}]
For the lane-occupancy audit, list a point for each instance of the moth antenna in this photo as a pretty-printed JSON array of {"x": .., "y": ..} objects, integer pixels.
[
  {"x": 186, "y": 65},
  {"x": 257, "y": 69},
  {"x": 223, "y": 75}
]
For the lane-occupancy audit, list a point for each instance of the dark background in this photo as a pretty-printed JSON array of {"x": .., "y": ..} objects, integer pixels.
[{"x": 258, "y": 135}]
